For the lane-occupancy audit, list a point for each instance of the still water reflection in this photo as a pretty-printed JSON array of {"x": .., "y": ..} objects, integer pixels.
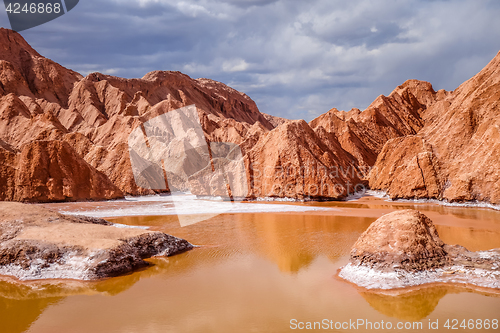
[{"x": 253, "y": 273}]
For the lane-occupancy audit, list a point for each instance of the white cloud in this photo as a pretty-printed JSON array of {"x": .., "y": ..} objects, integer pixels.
[{"x": 235, "y": 65}]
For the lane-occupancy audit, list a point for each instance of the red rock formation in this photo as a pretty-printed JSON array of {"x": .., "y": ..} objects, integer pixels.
[
  {"x": 275, "y": 121},
  {"x": 25, "y": 72},
  {"x": 7, "y": 173},
  {"x": 41, "y": 100},
  {"x": 403, "y": 249},
  {"x": 412, "y": 166},
  {"x": 363, "y": 134},
  {"x": 455, "y": 156},
  {"x": 424, "y": 144},
  {"x": 292, "y": 161},
  {"x": 52, "y": 171},
  {"x": 405, "y": 239}
]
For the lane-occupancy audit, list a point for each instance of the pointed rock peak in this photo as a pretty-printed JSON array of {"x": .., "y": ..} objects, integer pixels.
[
  {"x": 217, "y": 85},
  {"x": 295, "y": 127},
  {"x": 377, "y": 102},
  {"x": 11, "y": 43},
  {"x": 416, "y": 85},
  {"x": 273, "y": 120},
  {"x": 354, "y": 112},
  {"x": 296, "y": 123},
  {"x": 421, "y": 90},
  {"x": 96, "y": 77},
  {"x": 165, "y": 75},
  {"x": 11, "y": 106}
]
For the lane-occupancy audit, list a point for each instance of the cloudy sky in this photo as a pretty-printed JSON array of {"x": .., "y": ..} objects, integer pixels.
[{"x": 295, "y": 58}]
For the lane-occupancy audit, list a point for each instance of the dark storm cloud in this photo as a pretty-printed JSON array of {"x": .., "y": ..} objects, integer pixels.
[{"x": 295, "y": 58}]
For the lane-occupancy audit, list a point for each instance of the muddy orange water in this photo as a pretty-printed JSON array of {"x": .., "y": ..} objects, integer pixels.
[{"x": 259, "y": 272}]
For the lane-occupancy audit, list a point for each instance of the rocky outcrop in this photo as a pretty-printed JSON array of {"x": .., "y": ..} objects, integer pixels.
[
  {"x": 294, "y": 161},
  {"x": 417, "y": 142},
  {"x": 457, "y": 150},
  {"x": 47, "y": 171},
  {"x": 52, "y": 171},
  {"x": 275, "y": 121},
  {"x": 403, "y": 239},
  {"x": 363, "y": 134},
  {"x": 412, "y": 166},
  {"x": 95, "y": 115},
  {"x": 24, "y": 72},
  {"x": 43, "y": 101},
  {"x": 403, "y": 249},
  {"x": 36, "y": 243}
]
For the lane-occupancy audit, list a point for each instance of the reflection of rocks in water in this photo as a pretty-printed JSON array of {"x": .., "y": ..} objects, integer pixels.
[
  {"x": 411, "y": 306},
  {"x": 21, "y": 303},
  {"x": 18, "y": 315},
  {"x": 293, "y": 244},
  {"x": 416, "y": 304},
  {"x": 290, "y": 241},
  {"x": 13, "y": 289},
  {"x": 293, "y": 263}
]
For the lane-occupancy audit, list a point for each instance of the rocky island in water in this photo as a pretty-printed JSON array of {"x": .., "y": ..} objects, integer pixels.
[
  {"x": 403, "y": 249},
  {"x": 37, "y": 243}
]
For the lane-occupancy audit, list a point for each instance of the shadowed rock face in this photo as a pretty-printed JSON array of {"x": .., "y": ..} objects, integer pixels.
[
  {"x": 52, "y": 171},
  {"x": 403, "y": 249},
  {"x": 46, "y": 171},
  {"x": 293, "y": 161},
  {"x": 36, "y": 243}
]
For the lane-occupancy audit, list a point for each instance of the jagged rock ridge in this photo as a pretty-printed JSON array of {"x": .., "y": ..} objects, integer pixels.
[
  {"x": 455, "y": 155},
  {"x": 89, "y": 119},
  {"x": 417, "y": 142}
]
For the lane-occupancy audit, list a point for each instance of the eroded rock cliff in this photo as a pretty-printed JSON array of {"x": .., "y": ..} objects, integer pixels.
[
  {"x": 414, "y": 143},
  {"x": 455, "y": 155}
]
